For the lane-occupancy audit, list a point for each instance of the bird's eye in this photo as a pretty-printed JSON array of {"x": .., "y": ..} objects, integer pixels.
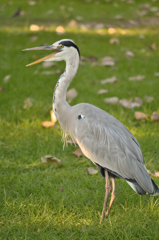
[{"x": 61, "y": 46}]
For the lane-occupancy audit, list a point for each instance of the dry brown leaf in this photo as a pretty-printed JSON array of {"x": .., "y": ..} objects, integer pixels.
[
  {"x": 107, "y": 61},
  {"x": 153, "y": 46},
  {"x": 155, "y": 116},
  {"x": 48, "y": 64},
  {"x": 138, "y": 101},
  {"x": 32, "y": 3},
  {"x": 2, "y": 89},
  {"x": 50, "y": 72},
  {"x": 50, "y": 159},
  {"x": 34, "y": 28},
  {"x": 112, "y": 100},
  {"x": 91, "y": 58},
  {"x": 53, "y": 117},
  {"x": 114, "y": 40},
  {"x": 140, "y": 115},
  {"x": 49, "y": 12},
  {"x": 73, "y": 24},
  {"x": 92, "y": 171},
  {"x": 142, "y": 12},
  {"x": 60, "y": 30},
  {"x": 148, "y": 98},
  {"x": 136, "y": 78},
  {"x": 129, "y": 104},
  {"x": 47, "y": 124},
  {"x": 17, "y": 13},
  {"x": 33, "y": 38},
  {"x": 126, "y": 103},
  {"x": 156, "y": 74},
  {"x": 156, "y": 173},
  {"x": 71, "y": 94},
  {"x": 150, "y": 173},
  {"x": 101, "y": 91},
  {"x": 6, "y": 78},
  {"x": 28, "y": 103},
  {"x": 111, "y": 30},
  {"x": 109, "y": 80},
  {"x": 129, "y": 54},
  {"x": 61, "y": 189},
  {"x": 78, "y": 152}
]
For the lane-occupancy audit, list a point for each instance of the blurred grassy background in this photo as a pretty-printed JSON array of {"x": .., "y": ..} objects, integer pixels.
[{"x": 46, "y": 202}]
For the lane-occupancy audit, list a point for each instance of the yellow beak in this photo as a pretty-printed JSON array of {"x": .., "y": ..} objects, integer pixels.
[{"x": 50, "y": 47}]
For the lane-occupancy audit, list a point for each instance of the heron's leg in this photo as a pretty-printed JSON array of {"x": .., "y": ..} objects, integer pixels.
[
  {"x": 113, "y": 196},
  {"x": 107, "y": 188}
]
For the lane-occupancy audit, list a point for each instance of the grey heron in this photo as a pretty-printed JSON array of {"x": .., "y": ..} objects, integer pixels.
[{"x": 102, "y": 138}]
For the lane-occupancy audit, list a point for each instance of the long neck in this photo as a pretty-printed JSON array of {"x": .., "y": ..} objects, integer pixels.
[{"x": 60, "y": 106}]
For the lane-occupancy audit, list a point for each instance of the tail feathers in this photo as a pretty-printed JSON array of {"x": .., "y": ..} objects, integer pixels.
[
  {"x": 140, "y": 191},
  {"x": 156, "y": 188},
  {"x": 136, "y": 187}
]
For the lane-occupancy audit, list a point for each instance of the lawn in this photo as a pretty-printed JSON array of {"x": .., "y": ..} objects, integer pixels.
[{"x": 45, "y": 201}]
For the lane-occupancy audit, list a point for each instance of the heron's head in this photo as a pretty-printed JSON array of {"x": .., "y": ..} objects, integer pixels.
[{"x": 63, "y": 50}]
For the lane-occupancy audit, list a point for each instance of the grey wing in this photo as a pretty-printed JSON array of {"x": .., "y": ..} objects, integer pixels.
[{"x": 108, "y": 143}]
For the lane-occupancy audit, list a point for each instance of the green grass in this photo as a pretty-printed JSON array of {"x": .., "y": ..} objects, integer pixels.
[{"x": 39, "y": 201}]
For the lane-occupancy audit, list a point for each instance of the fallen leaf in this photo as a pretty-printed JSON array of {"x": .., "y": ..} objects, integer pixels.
[
  {"x": 141, "y": 36},
  {"x": 60, "y": 30},
  {"x": 126, "y": 103},
  {"x": 47, "y": 124},
  {"x": 92, "y": 171},
  {"x": 47, "y": 64},
  {"x": 91, "y": 58},
  {"x": 109, "y": 80},
  {"x": 150, "y": 173},
  {"x": 136, "y": 78},
  {"x": 154, "y": 9},
  {"x": 112, "y": 100},
  {"x": 6, "y": 78},
  {"x": 114, "y": 40},
  {"x": 50, "y": 159},
  {"x": 129, "y": 54},
  {"x": 49, "y": 12},
  {"x": 107, "y": 61},
  {"x": 140, "y": 115},
  {"x": 2, "y": 89},
  {"x": 31, "y": 3},
  {"x": 50, "y": 72},
  {"x": 138, "y": 101},
  {"x": 142, "y": 12},
  {"x": 118, "y": 17},
  {"x": 78, "y": 152},
  {"x": 153, "y": 46},
  {"x": 156, "y": 173},
  {"x": 111, "y": 30},
  {"x": 156, "y": 74},
  {"x": 155, "y": 116},
  {"x": 148, "y": 98},
  {"x": 17, "y": 13},
  {"x": 71, "y": 94},
  {"x": 28, "y": 103},
  {"x": 73, "y": 24},
  {"x": 33, "y": 38},
  {"x": 53, "y": 117},
  {"x": 34, "y": 28},
  {"x": 101, "y": 91}
]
